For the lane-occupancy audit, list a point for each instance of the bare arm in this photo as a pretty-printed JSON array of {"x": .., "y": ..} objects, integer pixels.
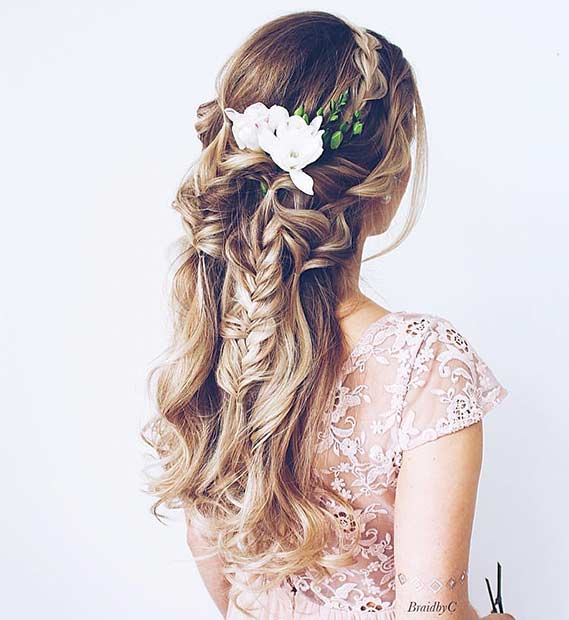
[
  {"x": 434, "y": 512},
  {"x": 450, "y": 389},
  {"x": 210, "y": 568}
]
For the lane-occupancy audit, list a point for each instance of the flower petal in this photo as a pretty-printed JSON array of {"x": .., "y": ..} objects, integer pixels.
[
  {"x": 297, "y": 122},
  {"x": 256, "y": 110},
  {"x": 249, "y": 137},
  {"x": 315, "y": 123},
  {"x": 303, "y": 181},
  {"x": 267, "y": 140},
  {"x": 311, "y": 155},
  {"x": 237, "y": 131},
  {"x": 277, "y": 115},
  {"x": 232, "y": 114}
]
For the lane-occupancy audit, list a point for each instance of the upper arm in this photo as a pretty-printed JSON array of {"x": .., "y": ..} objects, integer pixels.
[
  {"x": 440, "y": 437},
  {"x": 434, "y": 511}
]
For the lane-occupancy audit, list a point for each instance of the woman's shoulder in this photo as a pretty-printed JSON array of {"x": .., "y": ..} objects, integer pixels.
[
  {"x": 434, "y": 328},
  {"x": 404, "y": 335},
  {"x": 424, "y": 318},
  {"x": 449, "y": 387},
  {"x": 416, "y": 325},
  {"x": 398, "y": 335},
  {"x": 433, "y": 334},
  {"x": 445, "y": 354},
  {"x": 438, "y": 380}
]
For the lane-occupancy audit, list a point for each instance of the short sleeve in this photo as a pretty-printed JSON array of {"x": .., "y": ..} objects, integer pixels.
[{"x": 450, "y": 387}]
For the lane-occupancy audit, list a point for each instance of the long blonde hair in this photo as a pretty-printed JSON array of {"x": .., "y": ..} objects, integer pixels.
[{"x": 256, "y": 347}]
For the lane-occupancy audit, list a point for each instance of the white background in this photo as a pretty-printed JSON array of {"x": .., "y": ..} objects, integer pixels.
[{"x": 99, "y": 102}]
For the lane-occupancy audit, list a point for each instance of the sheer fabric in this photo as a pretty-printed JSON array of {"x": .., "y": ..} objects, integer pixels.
[{"x": 411, "y": 378}]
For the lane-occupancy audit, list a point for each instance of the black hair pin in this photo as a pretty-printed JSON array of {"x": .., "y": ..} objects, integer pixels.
[{"x": 497, "y": 606}]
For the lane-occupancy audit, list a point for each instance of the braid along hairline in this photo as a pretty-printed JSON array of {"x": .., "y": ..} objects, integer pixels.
[{"x": 373, "y": 83}]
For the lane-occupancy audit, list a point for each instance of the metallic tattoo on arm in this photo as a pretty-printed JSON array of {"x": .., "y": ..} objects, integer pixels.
[{"x": 434, "y": 584}]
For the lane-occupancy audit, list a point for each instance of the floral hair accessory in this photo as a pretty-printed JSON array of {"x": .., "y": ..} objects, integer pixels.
[{"x": 292, "y": 141}]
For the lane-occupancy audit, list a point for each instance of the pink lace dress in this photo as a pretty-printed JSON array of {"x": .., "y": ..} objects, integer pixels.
[{"x": 411, "y": 378}]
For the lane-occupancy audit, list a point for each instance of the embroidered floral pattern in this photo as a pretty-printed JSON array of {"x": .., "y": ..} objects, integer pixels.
[{"x": 410, "y": 379}]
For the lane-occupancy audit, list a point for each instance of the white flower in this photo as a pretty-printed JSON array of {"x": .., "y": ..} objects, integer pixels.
[
  {"x": 291, "y": 142},
  {"x": 295, "y": 145},
  {"x": 246, "y": 126}
]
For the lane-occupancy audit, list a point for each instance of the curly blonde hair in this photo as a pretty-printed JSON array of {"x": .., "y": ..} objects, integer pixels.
[{"x": 256, "y": 346}]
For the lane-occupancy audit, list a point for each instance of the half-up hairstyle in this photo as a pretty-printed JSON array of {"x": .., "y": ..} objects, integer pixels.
[{"x": 257, "y": 347}]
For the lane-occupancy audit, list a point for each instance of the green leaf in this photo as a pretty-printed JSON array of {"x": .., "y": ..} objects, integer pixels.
[
  {"x": 299, "y": 111},
  {"x": 336, "y": 139},
  {"x": 334, "y": 117},
  {"x": 344, "y": 126},
  {"x": 264, "y": 187},
  {"x": 357, "y": 128},
  {"x": 305, "y": 117},
  {"x": 326, "y": 137},
  {"x": 320, "y": 112},
  {"x": 332, "y": 105},
  {"x": 344, "y": 97},
  {"x": 357, "y": 114}
]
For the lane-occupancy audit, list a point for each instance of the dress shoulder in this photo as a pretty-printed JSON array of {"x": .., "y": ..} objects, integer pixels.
[{"x": 450, "y": 385}]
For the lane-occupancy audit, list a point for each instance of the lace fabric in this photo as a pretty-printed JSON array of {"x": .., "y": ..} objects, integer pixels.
[{"x": 411, "y": 378}]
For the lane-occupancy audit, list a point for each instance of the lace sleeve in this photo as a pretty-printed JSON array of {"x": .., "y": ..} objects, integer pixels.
[{"x": 450, "y": 387}]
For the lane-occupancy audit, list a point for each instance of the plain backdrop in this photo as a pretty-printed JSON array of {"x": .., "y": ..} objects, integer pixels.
[{"x": 98, "y": 104}]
